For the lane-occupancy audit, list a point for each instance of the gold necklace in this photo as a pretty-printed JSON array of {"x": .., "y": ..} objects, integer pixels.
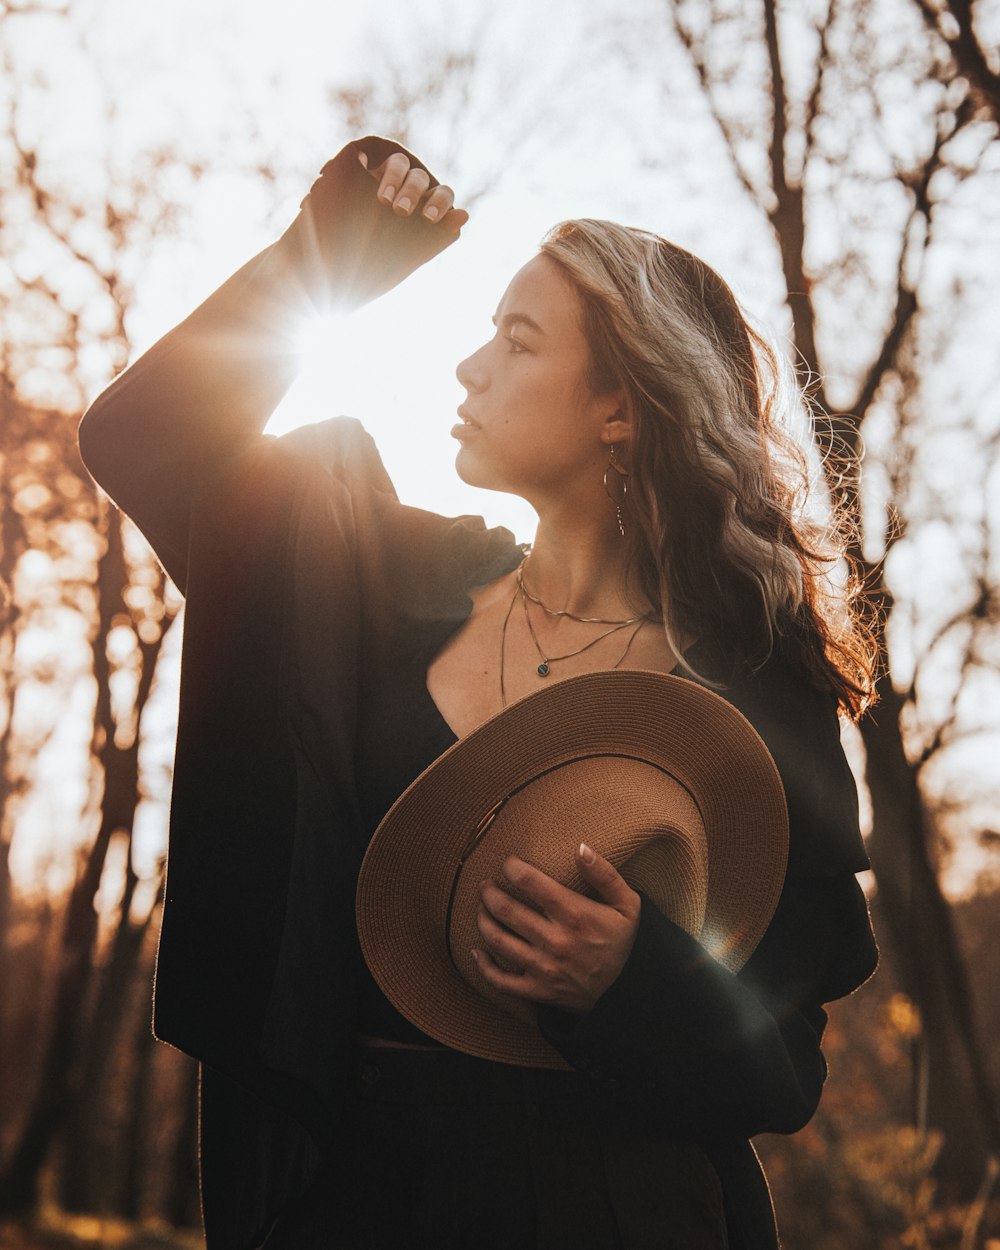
[
  {"x": 584, "y": 620},
  {"x": 544, "y": 668},
  {"x": 554, "y": 659}
]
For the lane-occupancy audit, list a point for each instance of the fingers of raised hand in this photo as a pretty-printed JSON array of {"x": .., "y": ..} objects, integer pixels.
[
  {"x": 406, "y": 197},
  {"x": 438, "y": 203},
  {"x": 407, "y": 190},
  {"x": 390, "y": 175}
]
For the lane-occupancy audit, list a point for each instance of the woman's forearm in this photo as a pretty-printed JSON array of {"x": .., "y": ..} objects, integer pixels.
[
  {"x": 206, "y": 390},
  {"x": 722, "y": 1055},
  {"x": 189, "y": 404}
]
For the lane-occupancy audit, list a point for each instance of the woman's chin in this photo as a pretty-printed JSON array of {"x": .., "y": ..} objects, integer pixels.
[
  {"x": 475, "y": 470},
  {"x": 471, "y": 470}
]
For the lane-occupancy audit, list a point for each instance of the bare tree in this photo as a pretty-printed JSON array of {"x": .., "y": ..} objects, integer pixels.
[
  {"x": 56, "y": 247},
  {"x": 800, "y": 97}
]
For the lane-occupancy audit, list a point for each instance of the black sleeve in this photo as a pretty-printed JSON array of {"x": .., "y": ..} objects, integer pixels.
[
  {"x": 202, "y": 394},
  {"x": 717, "y": 1054}
]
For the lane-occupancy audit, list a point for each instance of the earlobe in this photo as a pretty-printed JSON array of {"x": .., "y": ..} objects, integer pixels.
[{"x": 617, "y": 427}]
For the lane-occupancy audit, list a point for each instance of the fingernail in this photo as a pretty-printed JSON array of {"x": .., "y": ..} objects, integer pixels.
[
  {"x": 431, "y": 213},
  {"x": 363, "y": 159},
  {"x": 388, "y": 194},
  {"x": 404, "y": 205},
  {"x": 586, "y": 854}
]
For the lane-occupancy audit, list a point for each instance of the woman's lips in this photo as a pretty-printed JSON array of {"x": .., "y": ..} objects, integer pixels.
[{"x": 468, "y": 426}]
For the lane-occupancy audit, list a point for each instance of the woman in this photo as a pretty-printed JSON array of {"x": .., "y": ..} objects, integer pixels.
[{"x": 337, "y": 642}]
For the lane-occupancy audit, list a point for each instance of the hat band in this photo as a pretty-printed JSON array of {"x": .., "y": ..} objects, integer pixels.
[{"x": 487, "y": 820}]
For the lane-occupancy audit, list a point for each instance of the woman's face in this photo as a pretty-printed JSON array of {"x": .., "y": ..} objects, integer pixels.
[{"x": 530, "y": 423}]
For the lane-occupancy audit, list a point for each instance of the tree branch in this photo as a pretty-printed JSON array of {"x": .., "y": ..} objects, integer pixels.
[
  {"x": 700, "y": 66},
  {"x": 965, "y": 47},
  {"x": 779, "y": 112},
  {"x": 906, "y": 296},
  {"x": 823, "y": 59}
]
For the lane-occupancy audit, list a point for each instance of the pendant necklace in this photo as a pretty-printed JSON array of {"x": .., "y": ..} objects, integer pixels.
[{"x": 544, "y": 667}]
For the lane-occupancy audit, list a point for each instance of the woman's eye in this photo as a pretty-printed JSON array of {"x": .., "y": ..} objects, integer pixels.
[{"x": 515, "y": 345}]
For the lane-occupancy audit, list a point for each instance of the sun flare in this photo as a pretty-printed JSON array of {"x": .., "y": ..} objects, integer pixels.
[{"x": 317, "y": 338}]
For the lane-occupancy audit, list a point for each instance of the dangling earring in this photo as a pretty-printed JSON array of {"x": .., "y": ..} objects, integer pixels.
[{"x": 616, "y": 486}]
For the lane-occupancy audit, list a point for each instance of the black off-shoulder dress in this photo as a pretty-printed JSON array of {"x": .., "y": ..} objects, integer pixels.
[{"x": 314, "y": 602}]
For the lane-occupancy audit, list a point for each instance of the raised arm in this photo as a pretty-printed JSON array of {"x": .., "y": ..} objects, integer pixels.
[{"x": 202, "y": 394}]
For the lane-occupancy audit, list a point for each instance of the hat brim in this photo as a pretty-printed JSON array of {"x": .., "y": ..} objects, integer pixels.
[{"x": 677, "y": 726}]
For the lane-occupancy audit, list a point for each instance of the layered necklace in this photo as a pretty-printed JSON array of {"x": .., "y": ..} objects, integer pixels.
[{"x": 546, "y": 661}]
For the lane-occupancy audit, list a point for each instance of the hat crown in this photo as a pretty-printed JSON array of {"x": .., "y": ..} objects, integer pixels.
[{"x": 634, "y": 813}]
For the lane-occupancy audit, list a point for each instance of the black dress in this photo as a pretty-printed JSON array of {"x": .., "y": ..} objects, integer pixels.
[
  {"x": 310, "y": 594},
  {"x": 446, "y": 1150}
]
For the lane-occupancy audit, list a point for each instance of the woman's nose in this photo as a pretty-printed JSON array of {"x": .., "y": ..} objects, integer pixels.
[{"x": 470, "y": 372}]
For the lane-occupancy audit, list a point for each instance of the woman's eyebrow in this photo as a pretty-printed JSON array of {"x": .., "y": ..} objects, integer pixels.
[{"x": 508, "y": 320}]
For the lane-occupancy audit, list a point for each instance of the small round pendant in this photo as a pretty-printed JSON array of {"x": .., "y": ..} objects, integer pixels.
[{"x": 543, "y": 669}]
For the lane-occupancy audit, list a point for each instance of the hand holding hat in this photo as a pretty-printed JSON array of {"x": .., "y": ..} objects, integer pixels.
[
  {"x": 663, "y": 779},
  {"x": 565, "y": 949}
]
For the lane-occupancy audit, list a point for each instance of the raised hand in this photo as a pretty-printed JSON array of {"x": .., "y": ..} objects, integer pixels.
[
  {"x": 565, "y": 949},
  {"x": 406, "y": 189}
]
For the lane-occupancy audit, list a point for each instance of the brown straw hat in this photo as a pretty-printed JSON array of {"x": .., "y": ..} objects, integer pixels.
[{"x": 660, "y": 776}]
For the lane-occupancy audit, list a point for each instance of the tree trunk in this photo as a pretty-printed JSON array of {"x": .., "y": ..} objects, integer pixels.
[
  {"x": 92, "y": 1148},
  {"x": 59, "y": 1083},
  {"x": 918, "y": 929},
  {"x": 12, "y": 543},
  {"x": 916, "y": 918}
]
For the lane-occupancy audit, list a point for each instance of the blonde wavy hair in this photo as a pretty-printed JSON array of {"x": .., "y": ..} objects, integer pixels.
[{"x": 719, "y": 538}]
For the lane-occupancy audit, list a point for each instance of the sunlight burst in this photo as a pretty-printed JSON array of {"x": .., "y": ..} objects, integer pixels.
[{"x": 317, "y": 338}]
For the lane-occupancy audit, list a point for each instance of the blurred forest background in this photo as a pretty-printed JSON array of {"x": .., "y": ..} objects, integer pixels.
[{"x": 854, "y": 149}]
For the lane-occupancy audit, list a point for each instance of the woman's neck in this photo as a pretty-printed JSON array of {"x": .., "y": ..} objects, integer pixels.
[{"x": 580, "y": 569}]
